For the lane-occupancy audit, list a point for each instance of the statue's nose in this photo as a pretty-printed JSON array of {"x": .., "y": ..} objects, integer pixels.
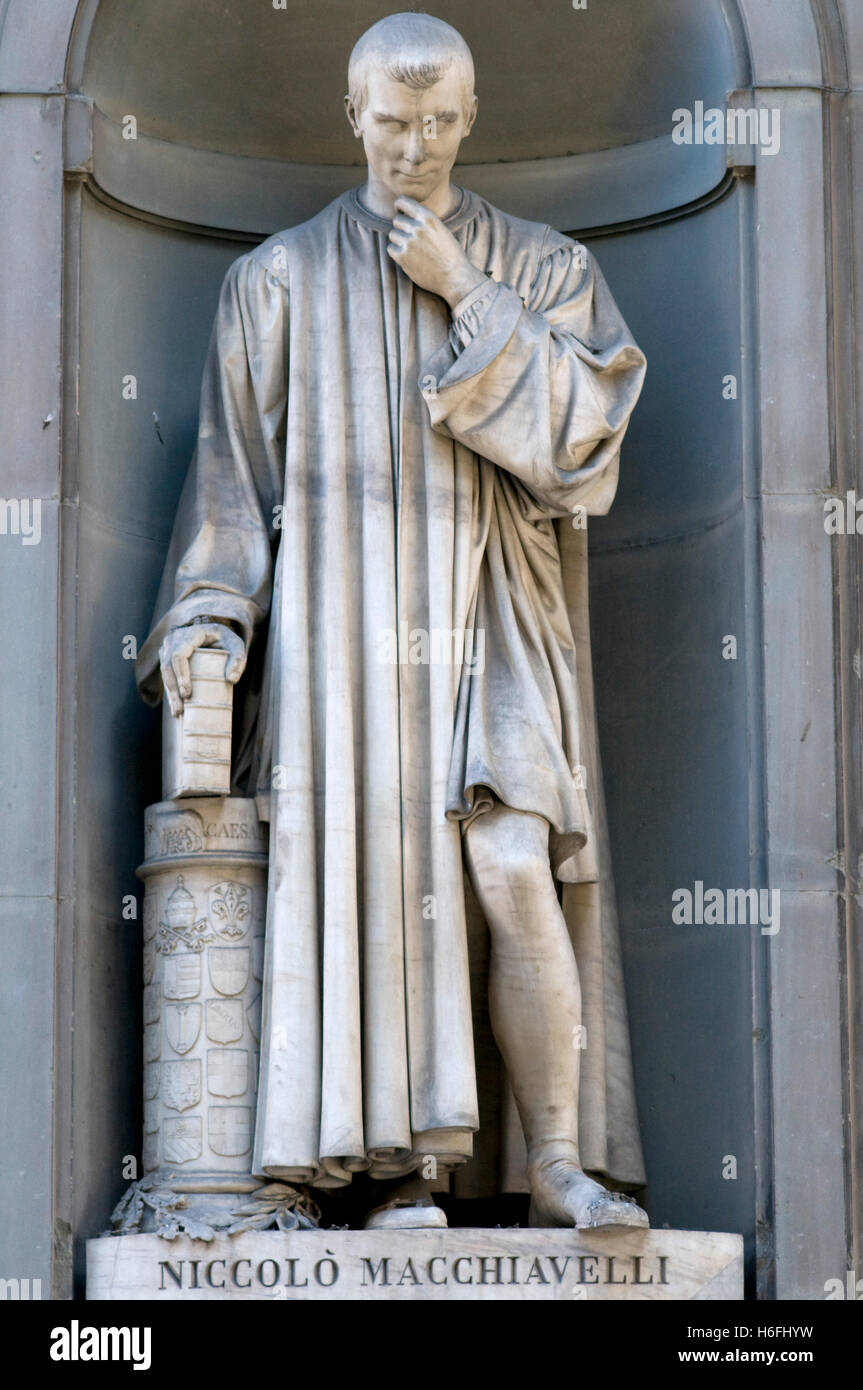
[{"x": 416, "y": 148}]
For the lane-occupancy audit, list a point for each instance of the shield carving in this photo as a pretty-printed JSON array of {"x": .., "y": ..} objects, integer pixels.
[
  {"x": 152, "y": 1077},
  {"x": 182, "y": 1025},
  {"x": 230, "y": 1130},
  {"x": 258, "y": 957},
  {"x": 230, "y": 909},
  {"x": 227, "y": 1071},
  {"x": 152, "y": 1042},
  {"x": 224, "y": 1020},
  {"x": 152, "y": 1003},
  {"x": 181, "y": 1138},
  {"x": 150, "y": 1151},
  {"x": 229, "y": 968},
  {"x": 253, "y": 1014},
  {"x": 182, "y": 976},
  {"x": 149, "y": 961},
  {"x": 181, "y": 1084}
]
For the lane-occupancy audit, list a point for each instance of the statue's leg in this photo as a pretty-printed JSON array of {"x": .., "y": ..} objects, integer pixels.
[
  {"x": 535, "y": 1008},
  {"x": 534, "y": 992}
]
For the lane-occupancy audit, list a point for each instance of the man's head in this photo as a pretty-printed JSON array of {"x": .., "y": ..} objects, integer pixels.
[{"x": 411, "y": 101}]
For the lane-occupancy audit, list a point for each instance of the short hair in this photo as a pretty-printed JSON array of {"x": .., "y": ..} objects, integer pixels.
[{"x": 414, "y": 48}]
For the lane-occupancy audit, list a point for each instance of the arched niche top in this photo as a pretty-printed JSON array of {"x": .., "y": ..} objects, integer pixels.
[
  {"x": 34, "y": 42},
  {"x": 261, "y": 88},
  {"x": 45, "y": 47},
  {"x": 268, "y": 83},
  {"x": 240, "y": 122},
  {"x": 239, "y": 105},
  {"x": 784, "y": 45},
  {"x": 256, "y": 197}
]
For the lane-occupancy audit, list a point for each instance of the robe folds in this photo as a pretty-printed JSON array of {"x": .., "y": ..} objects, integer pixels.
[{"x": 388, "y": 489}]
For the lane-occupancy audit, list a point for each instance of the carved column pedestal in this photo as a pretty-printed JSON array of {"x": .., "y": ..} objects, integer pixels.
[{"x": 204, "y": 917}]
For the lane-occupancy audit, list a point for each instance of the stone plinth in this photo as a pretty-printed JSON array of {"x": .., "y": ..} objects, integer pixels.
[
  {"x": 204, "y": 914},
  {"x": 466, "y": 1264}
]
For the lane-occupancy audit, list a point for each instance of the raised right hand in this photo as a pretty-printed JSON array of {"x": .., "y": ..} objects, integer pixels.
[{"x": 178, "y": 647}]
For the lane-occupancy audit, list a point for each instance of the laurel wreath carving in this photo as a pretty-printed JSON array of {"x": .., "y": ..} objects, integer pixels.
[{"x": 275, "y": 1206}]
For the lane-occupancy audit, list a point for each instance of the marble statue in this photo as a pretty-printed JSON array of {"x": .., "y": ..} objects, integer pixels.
[{"x": 406, "y": 400}]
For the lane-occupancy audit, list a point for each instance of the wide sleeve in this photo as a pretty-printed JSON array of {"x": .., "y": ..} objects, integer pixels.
[
  {"x": 219, "y": 561},
  {"x": 543, "y": 387}
]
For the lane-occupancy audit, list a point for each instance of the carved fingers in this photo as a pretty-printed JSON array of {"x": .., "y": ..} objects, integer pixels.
[
  {"x": 425, "y": 249},
  {"x": 176, "y": 651}
]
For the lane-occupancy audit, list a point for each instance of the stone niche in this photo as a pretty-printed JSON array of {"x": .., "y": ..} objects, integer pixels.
[{"x": 239, "y": 130}]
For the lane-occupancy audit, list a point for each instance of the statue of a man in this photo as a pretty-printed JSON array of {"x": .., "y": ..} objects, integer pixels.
[{"x": 402, "y": 395}]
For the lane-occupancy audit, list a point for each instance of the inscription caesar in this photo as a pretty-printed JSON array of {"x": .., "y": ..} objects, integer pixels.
[{"x": 411, "y": 404}]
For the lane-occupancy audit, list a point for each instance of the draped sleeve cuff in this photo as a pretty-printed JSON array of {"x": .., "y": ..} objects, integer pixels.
[
  {"x": 465, "y": 325},
  {"x": 483, "y": 323}
]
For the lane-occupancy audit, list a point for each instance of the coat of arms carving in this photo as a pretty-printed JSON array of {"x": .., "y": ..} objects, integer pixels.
[
  {"x": 229, "y": 1129},
  {"x": 181, "y": 1139},
  {"x": 230, "y": 910},
  {"x": 181, "y": 1084},
  {"x": 182, "y": 1026},
  {"x": 181, "y": 929},
  {"x": 229, "y": 968}
]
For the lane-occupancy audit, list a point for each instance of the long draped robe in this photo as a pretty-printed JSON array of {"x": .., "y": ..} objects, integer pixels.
[{"x": 380, "y": 480}]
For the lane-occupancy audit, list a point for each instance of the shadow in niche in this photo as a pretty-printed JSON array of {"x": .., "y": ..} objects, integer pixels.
[{"x": 348, "y": 1206}]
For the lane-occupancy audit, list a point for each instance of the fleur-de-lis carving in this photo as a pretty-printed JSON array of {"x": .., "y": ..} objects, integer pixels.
[{"x": 229, "y": 905}]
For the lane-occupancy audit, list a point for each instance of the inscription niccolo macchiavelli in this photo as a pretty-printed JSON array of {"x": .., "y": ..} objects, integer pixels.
[{"x": 387, "y": 1272}]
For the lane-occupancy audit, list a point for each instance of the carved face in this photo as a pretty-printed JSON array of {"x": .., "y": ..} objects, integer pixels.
[{"x": 411, "y": 138}]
